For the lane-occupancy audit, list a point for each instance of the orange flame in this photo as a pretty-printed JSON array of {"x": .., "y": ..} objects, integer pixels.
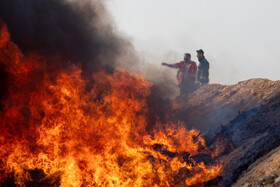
[{"x": 89, "y": 131}]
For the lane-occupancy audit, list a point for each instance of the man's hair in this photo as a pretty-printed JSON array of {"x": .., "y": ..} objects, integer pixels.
[
  {"x": 188, "y": 54},
  {"x": 200, "y": 51}
]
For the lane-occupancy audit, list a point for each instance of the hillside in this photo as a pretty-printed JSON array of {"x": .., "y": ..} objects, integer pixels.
[
  {"x": 245, "y": 116},
  {"x": 220, "y": 104},
  {"x": 259, "y": 172}
]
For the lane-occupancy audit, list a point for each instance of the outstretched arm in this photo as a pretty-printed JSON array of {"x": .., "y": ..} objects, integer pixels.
[{"x": 176, "y": 65}]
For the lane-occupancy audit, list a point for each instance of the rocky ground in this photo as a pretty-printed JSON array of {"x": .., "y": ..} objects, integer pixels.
[
  {"x": 220, "y": 104},
  {"x": 246, "y": 118},
  {"x": 265, "y": 171}
]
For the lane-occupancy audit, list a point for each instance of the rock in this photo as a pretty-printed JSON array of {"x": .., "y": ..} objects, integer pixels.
[
  {"x": 268, "y": 180},
  {"x": 277, "y": 182}
]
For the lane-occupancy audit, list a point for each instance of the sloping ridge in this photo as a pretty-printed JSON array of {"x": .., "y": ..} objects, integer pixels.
[
  {"x": 245, "y": 115},
  {"x": 221, "y": 104}
]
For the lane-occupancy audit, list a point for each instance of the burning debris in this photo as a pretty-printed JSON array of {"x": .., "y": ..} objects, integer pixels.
[{"x": 62, "y": 128}]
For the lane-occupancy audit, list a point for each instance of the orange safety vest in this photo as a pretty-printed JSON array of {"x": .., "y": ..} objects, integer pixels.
[{"x": 190, "y": 69}]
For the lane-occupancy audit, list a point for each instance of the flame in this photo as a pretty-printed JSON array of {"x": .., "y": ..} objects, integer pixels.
[{"x": 89, "y": 131}]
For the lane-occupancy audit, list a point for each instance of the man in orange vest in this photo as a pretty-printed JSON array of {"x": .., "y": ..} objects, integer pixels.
[{"x": 186, "y": 73}]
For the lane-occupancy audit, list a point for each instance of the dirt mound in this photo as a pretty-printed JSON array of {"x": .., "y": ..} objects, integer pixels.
[
  {"x": 264, "y": 168},
  {"x": 214, "y": 105},
  {"x": 245, "y": 117}
]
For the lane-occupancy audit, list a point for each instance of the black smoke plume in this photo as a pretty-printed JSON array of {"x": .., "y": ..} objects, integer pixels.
[{"x": 79, "y": 31}]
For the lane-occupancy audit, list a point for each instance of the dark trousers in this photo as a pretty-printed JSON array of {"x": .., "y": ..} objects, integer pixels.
[{"x": 185, "y": 88}]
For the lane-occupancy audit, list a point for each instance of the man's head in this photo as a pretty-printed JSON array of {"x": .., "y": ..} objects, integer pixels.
[
  {"x": 187, "y": 57},
  {"x": 200, "y": 53}
]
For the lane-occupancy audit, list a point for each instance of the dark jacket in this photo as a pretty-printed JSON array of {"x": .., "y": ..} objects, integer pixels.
[{"x": 202, "y": 75}]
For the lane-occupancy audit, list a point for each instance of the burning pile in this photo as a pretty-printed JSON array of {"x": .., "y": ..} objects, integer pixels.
[{"x": 60, "y": 127}]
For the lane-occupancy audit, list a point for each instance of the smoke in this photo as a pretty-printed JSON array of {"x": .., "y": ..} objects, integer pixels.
[{"x": 79, "y": 31}]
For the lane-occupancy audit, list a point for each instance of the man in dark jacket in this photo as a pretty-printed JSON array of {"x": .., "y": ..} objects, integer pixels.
[{"x": 202, "y": 76}]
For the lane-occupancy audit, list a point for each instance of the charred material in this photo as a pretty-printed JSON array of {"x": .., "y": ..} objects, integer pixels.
[{"x": 254, "y": 133}]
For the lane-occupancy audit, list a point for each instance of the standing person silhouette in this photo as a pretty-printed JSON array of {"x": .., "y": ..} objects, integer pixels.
[
  {"x": 202, "y": 76},
  {"x": 186, "y": 73}
]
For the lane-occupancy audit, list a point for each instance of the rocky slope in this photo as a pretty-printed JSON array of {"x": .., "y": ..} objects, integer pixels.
[
  {"x": 246, "y": 117},
  {"x": 265, "y": 170},
  {"x": 220, "y": 104}
]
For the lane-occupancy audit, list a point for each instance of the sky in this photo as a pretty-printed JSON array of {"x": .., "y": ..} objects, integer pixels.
[{"x": 241, "y": 38}]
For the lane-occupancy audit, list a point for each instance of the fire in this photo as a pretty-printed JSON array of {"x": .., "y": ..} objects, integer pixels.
[{"x": 72, "y": 130}]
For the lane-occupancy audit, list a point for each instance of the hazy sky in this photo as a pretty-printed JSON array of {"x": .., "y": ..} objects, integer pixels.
[{"x": 241, "y": 38}]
